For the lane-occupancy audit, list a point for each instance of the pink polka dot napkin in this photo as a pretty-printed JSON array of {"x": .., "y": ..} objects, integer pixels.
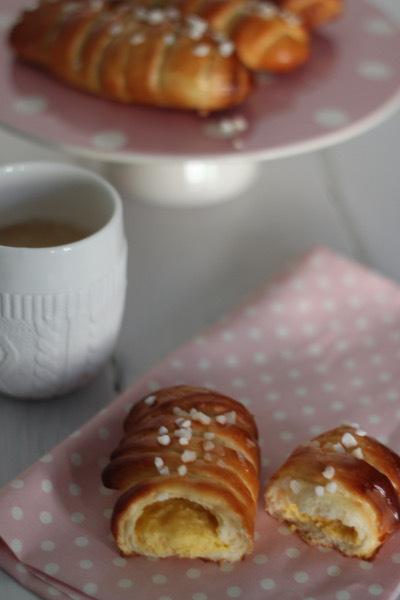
[{"x": 318, "y": 345}]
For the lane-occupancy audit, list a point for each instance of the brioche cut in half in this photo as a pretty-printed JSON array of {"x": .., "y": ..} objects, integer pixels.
[
  {"x": 187, "y": 467},
  {"x": 340, "y": 491}
]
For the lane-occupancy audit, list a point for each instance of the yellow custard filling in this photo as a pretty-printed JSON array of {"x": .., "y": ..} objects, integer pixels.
[{"x": 178, "y": 527}]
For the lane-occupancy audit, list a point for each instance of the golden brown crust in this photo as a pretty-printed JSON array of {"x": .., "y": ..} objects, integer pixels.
[
  {"x": 363, "y": 469},
  {"x": 220, "y": 438},
  {"x": 107, "y": 49},
  {"x": 314, "y": 13}
]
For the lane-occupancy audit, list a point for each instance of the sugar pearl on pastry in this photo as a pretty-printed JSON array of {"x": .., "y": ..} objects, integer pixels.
[
  {"x": 328, "y": 472},
  {"x": 201, "y": 50},
  {"x": 158, "y": 461},
  {"x": 209, "y": 435},
  {"x": 199, "y": 416},
  {"x": 331, "y": 487},
  {"x": 149, "y": 401},
  {"x": 188, "y": 456},
  {"x": 164, "y": 440},
  {"x": 155, "y": 16},
  {"x": 295, "y": 486},
  {"x": 208, "y": 457},
  {"x": 164, "y": 470},
  {"x": 208, "y": 446},
  {"x": 226, "y": 48},
  {"x": 182, "y": 470},
  {"x": 162, "y": 430},
  {"x": 169, "y": 39},
  {"x": 319, "y": 490},
  {"x": 184, "y": 441},
  {"x": 116, "y": 29},
  {"x": 187, "y": 423},
  {"x": 290, "y": 18},
  {"x": 172, "y": 13},
  {"x": 348, "y": 440},
  {"x": 358, "y": 453},
  {"x": 361, "y": 432},
  {"x": 221, "y": 463},
  {"x": 221, "y": 419},
  {"x": 231, "y": 417},
  {"x": 338, "y": 448}
]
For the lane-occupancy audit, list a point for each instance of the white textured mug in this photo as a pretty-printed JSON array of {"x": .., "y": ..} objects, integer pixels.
[{"x": 60, "y": 307}]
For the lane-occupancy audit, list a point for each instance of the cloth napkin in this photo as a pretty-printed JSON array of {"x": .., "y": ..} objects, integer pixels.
[{"x": 317, "y": 346}]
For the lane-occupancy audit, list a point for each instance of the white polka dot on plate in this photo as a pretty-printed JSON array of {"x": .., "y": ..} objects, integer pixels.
[
  {"x": 159, "y": 579},
  {"x": 77, "y": 517},
  {"x": 90, "y": 588},
  {"x": 292, "y": 552},
  {"x": 301, "y": 577},
  {"x": 81, "y": 541},
  {"x": 199, "y": 596},
  {"x": 333, "y": 570},
  {"x": 204, "y": 364},
  {"x": 125, "y": 583},
  {"x": 17, "y": 513},
  {"x": 396, "y": 558},
  {"x": 377, "y": 26},
  {"x": 16, "y": 545},
  {"x": 375, "y": 589},
  {"x": 331, "y": 118},
  {"x": 6, "y": 20},
  {"x": 375, "y": 70},
  {"x": 30, "y": 105},
  {"x": 286, "y": 436},
  {"x": 374, "y": 419},
  {"x": 45, "y": 517},
  {"x": 226, "y": 567},
  {"x": 267, "y": 584},
  {"x": 193, "y": 573},
  {"x": 107, "y": 513},
  {"x": 279, "y": 415},
  {"x": 85, "y": 564},
  {"x": 17, "y": 484},
  {"x": 21, "y": 569},
  {"x": 231, "y": 361},
  {"x": 234, "y": 591},
  {"x": 47, "y": 546},
  {"x": 260, "y": 559},
  {"x": 283, "y": 530},
  {"x": 76, "y": 459},
  {"x": 119, "y": 561},
  {"x": 51, "y": 568},
  {"x": 109, "y": 140},
  {"x": 365, "y": 565},
  {"x": 53, "y": 592},
  {"x": 308, "y": 409},
  {"x": 46, "y": 486},
  {"x": 343, "y": 595},
  {"x": 74, "y": 489}
]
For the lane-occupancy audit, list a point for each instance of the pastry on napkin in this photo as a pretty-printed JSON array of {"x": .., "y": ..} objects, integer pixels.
[{"x": 318, "y": 345}]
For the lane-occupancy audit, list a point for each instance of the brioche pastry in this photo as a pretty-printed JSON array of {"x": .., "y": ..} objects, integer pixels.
[
  {"x": 263, "y": 36},
  {"x": 187, "y": 467},
  {"x": 131, "y": 55},
  {"x": 313, "y": 13},
  {"x": 340, "y": 491}
]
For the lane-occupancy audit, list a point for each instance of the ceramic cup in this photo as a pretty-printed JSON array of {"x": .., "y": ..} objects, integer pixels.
[{"x": 60, "y": 307}]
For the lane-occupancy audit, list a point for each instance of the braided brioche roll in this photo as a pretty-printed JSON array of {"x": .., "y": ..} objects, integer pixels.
[
  {"x": 264, "y": 37},
  {"x": 187, "y": 467},
  {"x": 110, "y": 49},
  {"x": 341, "y": 490},
  {"x": 313, "y": 13}
]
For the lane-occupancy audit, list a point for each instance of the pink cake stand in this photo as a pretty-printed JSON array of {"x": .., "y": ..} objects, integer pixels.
[{"x": 351, "y": 84}]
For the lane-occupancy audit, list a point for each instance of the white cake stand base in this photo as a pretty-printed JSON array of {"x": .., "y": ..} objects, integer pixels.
[{"x": 181, "y": 183}]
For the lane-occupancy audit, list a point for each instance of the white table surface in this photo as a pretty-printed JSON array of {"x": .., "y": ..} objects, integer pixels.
[{"x": 187, "y": 267}]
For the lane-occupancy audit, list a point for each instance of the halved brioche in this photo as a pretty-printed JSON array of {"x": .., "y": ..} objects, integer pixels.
[
  {"x": 188, "y": 468},
  {"x": 339, "y": 491}
]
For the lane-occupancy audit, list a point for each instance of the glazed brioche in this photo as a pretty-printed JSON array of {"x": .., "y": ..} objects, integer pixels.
[
  {"x": 339, "y": 491},
  {"x": 313, "y": 13},
  {"x": 132, "y": 56},
  {"x": 264, "y": 37},
  {"x": 187, "y": 467}
]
